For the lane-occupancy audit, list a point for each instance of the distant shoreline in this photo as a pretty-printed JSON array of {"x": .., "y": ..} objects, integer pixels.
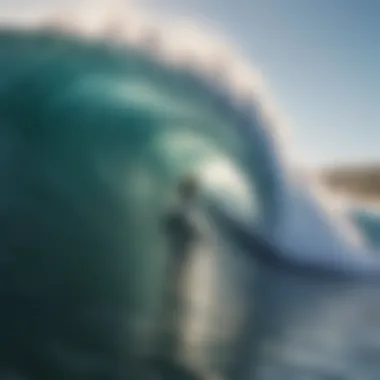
[{"x": 359, "y": 184}]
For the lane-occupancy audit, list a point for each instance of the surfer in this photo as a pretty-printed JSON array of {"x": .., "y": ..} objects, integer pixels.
[
  {"x": 182, "y": 230},
  {"x": 182, "y": 234}
]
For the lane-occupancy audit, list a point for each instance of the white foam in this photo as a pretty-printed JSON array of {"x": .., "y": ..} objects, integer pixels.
[{"x": 177, "y": 41}]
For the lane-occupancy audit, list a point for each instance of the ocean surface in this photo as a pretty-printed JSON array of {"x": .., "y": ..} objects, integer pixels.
[{"x": 243, "y": 320}]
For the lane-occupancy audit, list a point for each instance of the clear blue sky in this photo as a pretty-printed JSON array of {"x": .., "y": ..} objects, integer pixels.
[{"x": 321, "y": 59}]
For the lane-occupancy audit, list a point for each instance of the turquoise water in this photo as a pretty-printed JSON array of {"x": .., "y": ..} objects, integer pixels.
[
  {"x": 369, "y": 222},
  {"x": 94, "y": 140}
]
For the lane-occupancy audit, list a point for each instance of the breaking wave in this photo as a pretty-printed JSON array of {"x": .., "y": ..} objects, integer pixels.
[{"x": 103, "y": 117}]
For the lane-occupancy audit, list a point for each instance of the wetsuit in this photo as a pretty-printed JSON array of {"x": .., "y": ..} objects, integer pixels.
[{"x": 182, "y": 233}]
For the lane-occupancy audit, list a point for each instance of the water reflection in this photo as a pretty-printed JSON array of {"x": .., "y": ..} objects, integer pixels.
[
  {"x": 247, "y": 321},
  {"x": 319, "y": 327}
]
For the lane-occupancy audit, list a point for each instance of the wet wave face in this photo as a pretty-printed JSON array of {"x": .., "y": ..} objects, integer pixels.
[{"x": 95, "y": 136}]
